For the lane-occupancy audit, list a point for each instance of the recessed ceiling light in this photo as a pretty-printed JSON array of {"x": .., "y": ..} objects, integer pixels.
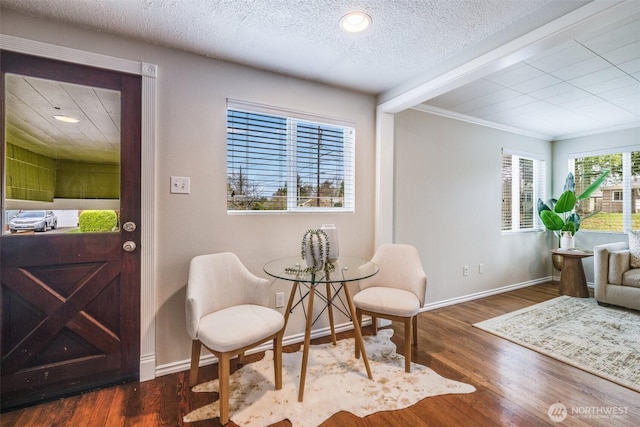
[
  {"x": 66, "y": 119},
  {"x": 354, "y": 22}
]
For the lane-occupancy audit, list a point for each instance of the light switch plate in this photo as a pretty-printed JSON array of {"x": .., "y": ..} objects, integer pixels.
[
  {"x": 279, "y": 299},
  {"x": 180, "y": 184}
]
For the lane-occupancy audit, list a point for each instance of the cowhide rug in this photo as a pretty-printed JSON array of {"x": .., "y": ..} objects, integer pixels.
[{"x": 335, "y": 381}]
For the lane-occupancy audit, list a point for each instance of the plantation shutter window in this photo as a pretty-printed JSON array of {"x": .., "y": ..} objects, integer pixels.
[
  {"x": 523, "y": 184},
  {"x": 507, "y": 176},
  {"x": 270, "y": 151}
]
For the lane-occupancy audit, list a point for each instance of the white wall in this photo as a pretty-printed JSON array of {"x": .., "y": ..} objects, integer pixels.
[
  {"x": 561, "y": 151},
  {"x": 191, "y": 141},
  {"x": 448, "y": 204}
]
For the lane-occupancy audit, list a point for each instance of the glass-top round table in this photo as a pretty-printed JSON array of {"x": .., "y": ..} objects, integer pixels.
[
  {"x": 335, "y": 278},
  {"x": 345, "y": 269}
]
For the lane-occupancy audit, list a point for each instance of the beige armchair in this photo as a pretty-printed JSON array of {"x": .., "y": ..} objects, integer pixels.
[
  {"x": 396, "y": 293},
  {"x": 616, "y": 282},
  {"x": 227, "y": 313}
]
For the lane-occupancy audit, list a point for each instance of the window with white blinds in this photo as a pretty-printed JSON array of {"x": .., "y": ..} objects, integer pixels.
[
  {"x": 281, "y": 161},
  {"x": 615, "y": 205},
  {"x": 522, "y": 186}
]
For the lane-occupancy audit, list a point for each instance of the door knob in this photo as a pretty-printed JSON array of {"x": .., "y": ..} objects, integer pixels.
[{"x": 129, "y": 246}]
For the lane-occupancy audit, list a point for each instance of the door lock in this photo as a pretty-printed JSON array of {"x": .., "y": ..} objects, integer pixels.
[{"x": 129, "y": 246}]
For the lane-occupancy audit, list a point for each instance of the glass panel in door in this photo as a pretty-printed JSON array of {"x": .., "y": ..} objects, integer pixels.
[{"x": 62, "y": 157}]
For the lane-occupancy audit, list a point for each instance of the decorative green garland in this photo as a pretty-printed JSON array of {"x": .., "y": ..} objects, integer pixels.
[{"x": 324, "y": 245}]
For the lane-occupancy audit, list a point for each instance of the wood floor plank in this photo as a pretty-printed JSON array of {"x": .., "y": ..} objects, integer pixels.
[
  {"x": 514, "y": 386},
  {"x": 116, "y": 414}
]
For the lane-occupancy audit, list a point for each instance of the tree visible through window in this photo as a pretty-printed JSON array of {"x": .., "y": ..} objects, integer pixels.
[{"x": 269, "y": 154}]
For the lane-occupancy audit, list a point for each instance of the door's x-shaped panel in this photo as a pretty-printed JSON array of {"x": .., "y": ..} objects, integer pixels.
[{"x": 59, "y": 312}]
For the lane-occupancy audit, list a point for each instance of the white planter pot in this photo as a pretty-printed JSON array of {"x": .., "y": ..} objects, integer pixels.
[{"x": 567, "y": 241}]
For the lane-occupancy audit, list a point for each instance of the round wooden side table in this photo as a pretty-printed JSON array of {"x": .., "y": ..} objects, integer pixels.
[{"x": 572, "y": 279}]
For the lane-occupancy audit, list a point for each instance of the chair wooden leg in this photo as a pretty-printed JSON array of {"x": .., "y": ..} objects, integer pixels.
[
  {"x": 241, "y": 358},
  {"x": 374, "y": 323},
  {"x": 195, "y": 362},
  {"x": 223, "y": 390},
  {"x": 277, "y": 359},
  {"x": 415, "y": 330},
  {"x": 407, "y": 344}
]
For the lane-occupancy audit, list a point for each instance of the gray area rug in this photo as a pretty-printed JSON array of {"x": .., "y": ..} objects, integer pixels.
[
  {"x": 600, "y": 340},
  {"x": 335, "y": 381}
]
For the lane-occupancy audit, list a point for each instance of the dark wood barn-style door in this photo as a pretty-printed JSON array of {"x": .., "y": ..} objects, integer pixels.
[{"x": 71, "y": 301}]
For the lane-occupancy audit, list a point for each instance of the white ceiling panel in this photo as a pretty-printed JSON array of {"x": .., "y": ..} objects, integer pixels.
[
  {"x": 630, "y": 67},
  {"x": 581, "y": 68},
  {"x": 553, "y": 91},
  {"x": 536, "y": 84},
  {"x": 623, "y": 54},
  {"x": 566, "y": 55},
  {"x": 602, "y": 78}
]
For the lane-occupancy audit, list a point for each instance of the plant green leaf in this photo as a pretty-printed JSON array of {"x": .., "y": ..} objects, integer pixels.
[
  {"x": 570, "y": 183},
  {"x": 594, "y": 185},
  {"x": 566, "y": 202},
  {"x": 570, "y": 226},
  {"x": 542, "y": 206},
  {"x": 573, "y": 219},
  {"x": 551, "y": 220}
]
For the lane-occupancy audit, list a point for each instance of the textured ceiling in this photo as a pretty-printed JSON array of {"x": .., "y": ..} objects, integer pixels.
[
  {"x": 302, "y": 37},
  {"x": 587, "y": 84}
]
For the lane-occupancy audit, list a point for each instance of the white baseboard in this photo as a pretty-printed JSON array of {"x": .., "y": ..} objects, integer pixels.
[
  {"x": 209, "y": 358},
  {"x": 147, "y": 366},
  {"x": 483, "y": 294}
]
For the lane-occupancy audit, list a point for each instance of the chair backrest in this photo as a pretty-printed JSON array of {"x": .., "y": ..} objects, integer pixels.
[
  {"x": 218, "y": 281},
  {"x": 401, "y": 268}
]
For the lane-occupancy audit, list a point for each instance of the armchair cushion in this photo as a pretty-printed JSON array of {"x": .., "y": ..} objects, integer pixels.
[
  {"x": 631, "y": 278},
  {"x": 606, "y": 289},
  {"x": 239, "y": 326},
  {"x": 618, "y": 265},
  {"x": 634, "y": 248},
  {"x": 389, "y": 301}
]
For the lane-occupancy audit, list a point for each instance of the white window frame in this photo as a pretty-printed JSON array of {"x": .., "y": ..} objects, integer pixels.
[
  {"x": 293, "y": 118},
  {"x": 539, "y": 189},
  {"x": 626, "y": 180}
]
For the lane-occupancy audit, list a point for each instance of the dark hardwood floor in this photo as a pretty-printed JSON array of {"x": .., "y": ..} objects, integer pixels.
[{"x": 515, "y": 386}]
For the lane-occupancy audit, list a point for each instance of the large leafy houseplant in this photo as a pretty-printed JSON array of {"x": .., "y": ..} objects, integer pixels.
[{"x": 559, "y": 215}]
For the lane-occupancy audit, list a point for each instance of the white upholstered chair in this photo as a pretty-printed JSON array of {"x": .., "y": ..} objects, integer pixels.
[
  {"x": 396, "y": 293},
  {"x": 227, "y": 313}
]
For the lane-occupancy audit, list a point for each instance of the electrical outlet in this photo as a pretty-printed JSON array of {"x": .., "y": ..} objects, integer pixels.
[
  {"x": 180, "y": 184},
  {"x": 279, "y": 299},
  {"x": 481, "y": 268},
  {"x": 465, "y": 270}
]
